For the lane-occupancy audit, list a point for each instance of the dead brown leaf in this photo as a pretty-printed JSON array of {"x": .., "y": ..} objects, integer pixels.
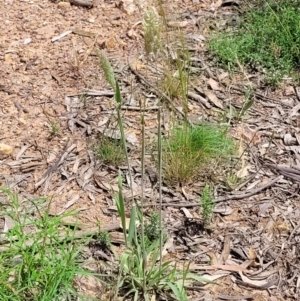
[{"x": 214, "y": 99}]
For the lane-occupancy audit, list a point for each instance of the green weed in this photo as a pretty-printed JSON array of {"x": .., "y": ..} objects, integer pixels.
[
  {"x": 36, "y": 264},
  {"x": 207, "y": 204},
  {"x": 267, "y": 38},
  {"x": 188, "y": 148},
  {"x": 232, "y": 181},
  {"x": 233, "y": 115},
  {"x": 104, "y": 239},
  {"x": 153, "y": 229}
]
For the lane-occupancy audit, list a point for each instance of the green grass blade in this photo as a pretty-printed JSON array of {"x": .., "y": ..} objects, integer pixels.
[
  {"x": 118, "y": 96},
  {"x": 198, "y": 278},
  {"x": 121, "y": 207},
  {"x": 247, "y": 106},
  {"x": 132, "y": 226}
]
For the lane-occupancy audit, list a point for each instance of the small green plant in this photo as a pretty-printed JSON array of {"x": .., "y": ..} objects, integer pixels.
[
  {"x": 152, "y": 27},
  {"x": 54, "y": 128},
  {"x": 40, "y": 258},
  {"x": 140, "y": 273},
  {"x": 152, "y": 229},
  {"x": 267, "y": 38},
  {"x": 231, "y": 114},
  {"x": 187, "y": 149},
  {"x": 109, "y": 151},
  {"x": 232, "y": 180},
  {"x": 207, "y": 204},
  {"x": 176, "y": 79},
  {"x": 171, "y": 83},
  {"x": 104, "y": 239}
]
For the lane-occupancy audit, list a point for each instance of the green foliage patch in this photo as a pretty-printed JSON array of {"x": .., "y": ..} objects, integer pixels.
[
  {"x": 267, "y": 38},
  {"x": 187, "y": 148}
]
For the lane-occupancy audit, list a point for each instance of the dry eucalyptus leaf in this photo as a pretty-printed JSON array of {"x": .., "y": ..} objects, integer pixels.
[
  {"x": 9, "y": 224},
  {"x": 252, "y": 254},
  {"x": 214, "y": 99},
  {"x": 223, "y": 75},
  {"x": 250, "y": 135},
  {"x": 131, "y": 137},
  {"x": 179, "y": 24},
  {"x": 103, "y": 121},
  {"x": 213, "y": 84},
  {"x": 243, "y": 172},
  {"x": 128, "y": 6},
  {"x": 224, "y": 210},
  {"x": 289, "y": 140},
  {"x": 186, "y": 212},
  {"x": 295, "y": 110}
]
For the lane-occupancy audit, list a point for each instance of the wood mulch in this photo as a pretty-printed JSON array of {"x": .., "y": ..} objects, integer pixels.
[{"x": 50, "y": 75}]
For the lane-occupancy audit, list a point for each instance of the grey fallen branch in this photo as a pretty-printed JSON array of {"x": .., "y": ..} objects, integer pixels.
[
  {"x": 199, "y": 98},
  {"x": 292, "y": 172},
  {"x": 56, "y": 165},
  {"x": 84, "y": 3},
  {"x": 236, "y": 196},
  {"x": 239, "y": 196}
]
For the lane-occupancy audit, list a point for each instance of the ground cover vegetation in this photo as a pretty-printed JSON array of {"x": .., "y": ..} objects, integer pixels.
[
  {"x": 47, "y": 268},
  {"x": 266, "y": 38},
  {"x": 39, "y": 265}
]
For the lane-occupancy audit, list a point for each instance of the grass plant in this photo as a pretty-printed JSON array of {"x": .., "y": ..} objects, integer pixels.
[
  {"x": 35, "y": 263},
  {"x": 109, "y": 151},
  {"x": 110, "y": 78},
  {"x": 188, "y": 148},
  {"x": 54, "y": 128},
  {"x": 152, "y": 26},
  {"x": 142, "y": 273},
  {"x": 267, "y": 38}
]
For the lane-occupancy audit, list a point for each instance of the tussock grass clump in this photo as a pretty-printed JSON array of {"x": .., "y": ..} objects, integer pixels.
[
  {"x": 267, "y": 38},
  {"x": 109, "y": 151},
  {"x": 187, "y": 149}
]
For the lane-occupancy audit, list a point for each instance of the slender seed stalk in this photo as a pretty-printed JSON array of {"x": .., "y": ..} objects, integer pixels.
[
  {"x": 110, "y": 78},
  {"x": 160, "y": 184},
  {"x": 142, "y": 203}
]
